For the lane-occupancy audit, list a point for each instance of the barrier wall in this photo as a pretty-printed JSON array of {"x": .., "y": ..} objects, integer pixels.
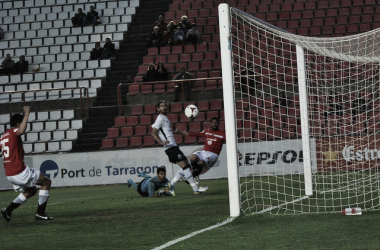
[{"x": 112, "y": 167}]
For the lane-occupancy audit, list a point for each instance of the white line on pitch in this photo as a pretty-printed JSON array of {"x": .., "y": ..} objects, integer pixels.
[
  {"x": 194, "y": 233},
  {"x": 49, "y": 204},
  {"x": 353, "y": 184},
  {"x": 286, "y": 203}
]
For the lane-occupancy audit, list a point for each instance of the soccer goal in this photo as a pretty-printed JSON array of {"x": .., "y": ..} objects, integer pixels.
[{"x": 307, "y": 118}]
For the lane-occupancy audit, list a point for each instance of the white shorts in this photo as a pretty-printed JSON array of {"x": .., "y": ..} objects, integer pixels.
[
  {"x": 209, "y": 157},
  {"x": 25, "y": 179}
]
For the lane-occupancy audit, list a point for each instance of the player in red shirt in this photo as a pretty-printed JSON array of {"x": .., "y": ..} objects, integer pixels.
[
  {"x": 23, "y": 178},
  {"x": 202, "y": 161}
]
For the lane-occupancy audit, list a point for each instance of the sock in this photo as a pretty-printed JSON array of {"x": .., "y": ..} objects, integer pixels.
[
  {"x": 190, "y": 179},
  {"x": 177, "y": 176},
  {"x": 21, "y": 199},
  {"x": 43, "y": 197},
  {"x": 134, "y": 185}
]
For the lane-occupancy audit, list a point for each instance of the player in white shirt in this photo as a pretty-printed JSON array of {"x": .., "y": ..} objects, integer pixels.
[{"x": 163, "y": 134}]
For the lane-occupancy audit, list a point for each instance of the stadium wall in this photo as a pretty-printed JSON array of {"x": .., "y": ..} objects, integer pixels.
[{"x": 116, "y": 167}]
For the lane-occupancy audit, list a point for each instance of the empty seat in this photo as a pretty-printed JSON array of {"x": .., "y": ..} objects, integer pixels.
[
  {"x": 126, "y": 131},
  {"x": 135, "y": 141},
  {"x": 58, "y": 135},
  {"x": 76, "y": 124},
  {"x": 120, "y": 121},
  {"x": 112, "y": 132},
  {"x": 145, "y": 120},
  {"x": 121, "y": 142},
  {"x": 148, "y": 141},
  {"x": 45, "y": 136},
  {"x": 140, "y": 131},
  {"x": 53, "y": 146},
  {"x": 66, "y": 146},
  {"x": 137, "y": 110},
  {"x": 107, "y": 143}
]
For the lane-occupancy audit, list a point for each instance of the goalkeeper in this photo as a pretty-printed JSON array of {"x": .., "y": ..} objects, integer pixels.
[{"x": 149, "y": 186}]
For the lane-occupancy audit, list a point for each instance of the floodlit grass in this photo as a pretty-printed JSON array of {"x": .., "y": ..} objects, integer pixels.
[{"x": 116, "y": 217}]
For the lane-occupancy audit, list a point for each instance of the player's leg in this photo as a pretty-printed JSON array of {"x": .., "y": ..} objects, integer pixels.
[
  {"x": 189, "y": 177},
  {"x": 132, "y": 184},
  {"x": 21, "y": 199},
  {"x": 43, "y": 197}
]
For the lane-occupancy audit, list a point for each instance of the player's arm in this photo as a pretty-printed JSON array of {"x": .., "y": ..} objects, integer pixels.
[
  {"x": 152, "y": 190},
  {"x": 157, "y": 138},
  {"x": 196, "y": 134},
  {"x": 24, "y": 122}
]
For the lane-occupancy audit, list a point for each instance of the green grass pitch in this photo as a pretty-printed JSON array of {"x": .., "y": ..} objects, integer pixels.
[{"x": 116, "y": 217}]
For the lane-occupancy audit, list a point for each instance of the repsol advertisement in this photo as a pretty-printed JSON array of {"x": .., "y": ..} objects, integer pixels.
[
  {"x": 111, "y": 167},
  {"x": 275, "y": 158}
]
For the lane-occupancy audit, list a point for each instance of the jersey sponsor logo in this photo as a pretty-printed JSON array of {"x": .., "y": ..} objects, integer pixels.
[
  {"x": 179, "y": 156},
  {"x": 49, "y": 168}
]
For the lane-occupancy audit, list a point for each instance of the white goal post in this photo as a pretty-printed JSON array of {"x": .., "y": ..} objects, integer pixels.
[{"x": 305, "y": 114}]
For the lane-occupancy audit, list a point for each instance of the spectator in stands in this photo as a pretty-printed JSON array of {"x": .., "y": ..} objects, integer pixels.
[
  {"x": 161, "y": 24},
  {"x": 108, "y": 49},
  {"x": 151, "y": 74},
  {"x": 92, "y": 17},
  {"x": 186, "y": 25},
  {"x": 97, "y": 52},
  {"x": 187, "y": 86},
  {"x": 282, "y": 101},
  {"x": 79, "y": 18},
  {"x": 162, "y": 72},
  {"x": 193, "y": 36},
  {"x": 22, "y": 65},
  {"x": 2, "y": 33},
  {"x": 168, "y": 38},
  {"x": 179, "y": 36},
  {"x": 8, "y": 66},
  {"x": 173, "y": 25},
  {"x": 248, "y": 80},
  {"x": 155, "y": 38}
]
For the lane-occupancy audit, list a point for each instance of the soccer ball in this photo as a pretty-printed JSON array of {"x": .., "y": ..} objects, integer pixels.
[{"x": 191, "y": 111}]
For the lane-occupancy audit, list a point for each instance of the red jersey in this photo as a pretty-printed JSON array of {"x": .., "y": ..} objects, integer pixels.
[
  {"x": 214, "y": 139},
  {"x": 13, "y": 152}
]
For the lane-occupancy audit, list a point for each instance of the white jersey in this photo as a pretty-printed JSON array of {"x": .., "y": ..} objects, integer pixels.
[{"x": 162, "y": 123}]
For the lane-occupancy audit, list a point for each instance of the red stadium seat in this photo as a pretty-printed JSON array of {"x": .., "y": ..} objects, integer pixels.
[
  {"x": 112, "y": 132},
  {"x": 198, "y": 85},
  {"x": 119, "y": 121},
  {"x": 177, "y": 50},
  {"x": 211, "y": 114},
  {"x": 274, "y": 134},
  {"x": 145, "y": 120},
  {"x": 195, "y": 127},
  {"x": 260, "y": 134},
  {"x": 135, "y": 141},
  {"x": 121, "y": 142},
  {"x": 140, "y": 131},
  {"x": 185, "y": 58},
  {"x": 137, "y": 110},
  {"x": 263, "y": 123},
  {"x": 173, "y": 118},
  {"x": 152, "y": 51},
  {"x": 216, "y": 105},
  {"x": 132, "y": 120},
  {"x": 164, "y": 51},
  {"x": 181, "y": 125},
  {"x": 148, "y": 141},
  {"x": 173, "y": 58},
  {"x": 277, "y": 123},
  {"x": 146, "y": 89},
  {"x": 197, "y": 57},
  {"x": 159, "y": 88},
  {"x": 246, "y": 134},
  {"x": 126, "y": 131},
  {"x": 288, "y": 133},
  {"x": 201, "y": 117},
  {"x": 211, "y": 84},
  {"x": 201, "y": 47},
  {"x": 176, "y": 107},
  {"x": 189, "y": 48},
  {"x": 148, "y": 59},
  {"x": 150, "y": 109},
  {"x": 134, "y": 89},
  {"x": 161, "y": 58},
  {"x": 203, "y": 106},
  {"x": 107, "y": 143},
  {"x": 213, "y": 47},
  {"x": 193, "y": 66}
]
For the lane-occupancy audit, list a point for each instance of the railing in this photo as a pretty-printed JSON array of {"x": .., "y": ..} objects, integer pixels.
[
  {"x": 119, "y": 99},
  {"x": 47, "y": 90}
]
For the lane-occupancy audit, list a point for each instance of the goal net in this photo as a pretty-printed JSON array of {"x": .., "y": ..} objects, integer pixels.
[{"x": 307, "y": 117}]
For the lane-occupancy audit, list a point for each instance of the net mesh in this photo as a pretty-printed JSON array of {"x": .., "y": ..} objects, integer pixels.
[{"x": 342, "y": 82}]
